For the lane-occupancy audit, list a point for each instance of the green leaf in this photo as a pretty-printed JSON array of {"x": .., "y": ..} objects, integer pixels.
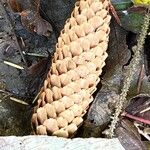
[{"x": 121, "y": 4}]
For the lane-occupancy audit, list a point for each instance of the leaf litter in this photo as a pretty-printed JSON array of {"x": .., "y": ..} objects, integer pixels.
[{"x": 120, "y": 55}]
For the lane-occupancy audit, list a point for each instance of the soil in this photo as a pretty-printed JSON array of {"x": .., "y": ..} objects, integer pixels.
[{"x": 17, "y": 45}]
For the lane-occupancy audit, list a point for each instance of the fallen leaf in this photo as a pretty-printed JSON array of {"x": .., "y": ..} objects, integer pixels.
[
  {"x": 132, "y": 18},
  {"x": 99, "y": 113},
  {"x": 121, "y": 4},
  {"x": 128, "y": 136},
  {"x": 33, "y": 22},
  {"x": 137, "y": 106}
]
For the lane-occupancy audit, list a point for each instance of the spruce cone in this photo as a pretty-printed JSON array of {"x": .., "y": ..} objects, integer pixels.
[{"x": 78, "y": 61}]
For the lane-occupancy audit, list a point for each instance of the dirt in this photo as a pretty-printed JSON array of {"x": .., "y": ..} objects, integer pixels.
[{"x": 25, "y": 84}]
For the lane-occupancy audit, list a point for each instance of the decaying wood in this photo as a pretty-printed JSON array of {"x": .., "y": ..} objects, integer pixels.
[
  {"x": 54, "y": 143},
  {"x": 78, "y": 61}
]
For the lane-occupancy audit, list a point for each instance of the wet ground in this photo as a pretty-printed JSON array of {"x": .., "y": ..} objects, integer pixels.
[{"x": 32, "y": 54}]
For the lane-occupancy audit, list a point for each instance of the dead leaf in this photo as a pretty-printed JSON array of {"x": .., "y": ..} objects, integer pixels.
[
  {"x": 21, "y": 5},
  {"x": 128, "y": 136},
  {"x": 33, "y": 22},
  {"x": 137, "y": 106},
  {"x": 57, "y": 12},
  {"x": 99, "y": 113}
]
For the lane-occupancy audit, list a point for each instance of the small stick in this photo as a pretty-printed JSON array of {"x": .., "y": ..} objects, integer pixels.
[
  {"x": 5, "y": 92},
  {"x": 136, "y": 118},
  {"x": 20, "y": 51},
  {"x": 7, "y": 48},
  {"x": 13, "y": 65},
  {"x": 18, "y": 101},
  {"x": 145, "y": 110},
  {"x": 34, "y": 54},
  {"x": 129, "y": 74},
  {"x": 22, "y": 42},
  {"x": 36, "y": 97}
]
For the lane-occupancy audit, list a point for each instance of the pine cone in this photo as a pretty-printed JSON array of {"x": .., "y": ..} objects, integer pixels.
[{"x": 78, "y": 61}]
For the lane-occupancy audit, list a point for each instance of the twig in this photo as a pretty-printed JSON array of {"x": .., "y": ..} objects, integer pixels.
[
  {"x": 18, "y": 101},
  {"x": 136, "y": 118},
  {"x": 5, "y": 92},
  {"x": 145, "y": 110},
  {"x": 34, "y": 54},
  {"x": 22, "y": 42},
  {"x": 13, "y": 65},
  {"x": 36, "y": 97},
  {"x": 129, "y": 74}
]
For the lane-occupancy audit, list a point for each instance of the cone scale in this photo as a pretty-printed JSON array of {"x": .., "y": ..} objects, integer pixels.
[{"x": 77, "y": 64}]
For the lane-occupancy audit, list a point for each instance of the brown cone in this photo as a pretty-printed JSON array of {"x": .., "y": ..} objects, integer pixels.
[{"x": 78, "y": 61}]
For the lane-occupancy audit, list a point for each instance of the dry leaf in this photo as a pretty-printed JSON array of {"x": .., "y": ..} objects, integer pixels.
[
  {"x": 139, "y": 106},
  {"x": 128, "y": 136}
]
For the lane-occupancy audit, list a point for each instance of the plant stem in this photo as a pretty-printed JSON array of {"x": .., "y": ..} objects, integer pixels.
[
  {"x": 129, "y": 74},
  {"x": 136, "y": 118}
]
